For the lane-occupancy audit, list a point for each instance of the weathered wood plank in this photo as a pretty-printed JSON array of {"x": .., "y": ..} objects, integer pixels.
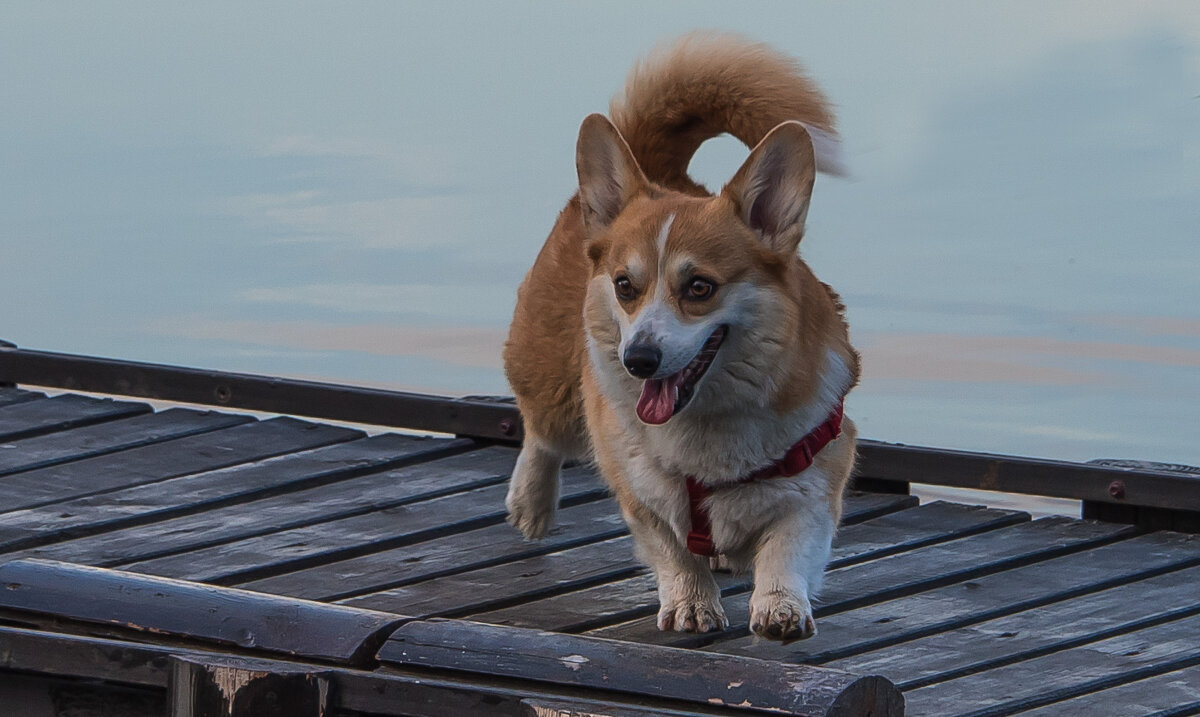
[
  {"x": 429, "y": 527},
  {"x": 579, "y": 524},
  {"x": 61, "y": 490},
  {"x": 1173, "y": 694},
  {"x": 683, "y": 675},
  {"x": 35, "y": 418},
  {"x": 589, "y": 708},
  {"x": 1042, "y": 630},
  {"x": 488, "y": 546},
  {"x": 875, "y": 537},
  {"x": 110, "y": 437},
  {"x": 196, "y": 491},
  {"x": 383, "y": 692},
  {"x": 276, "y": 512},
  {"x": 873, "y": 627},
  {"x": 498, "y": 586},
  {"x": 1054, "y": 677},
  {"x": 201, "y": 614},
  {"x": 897, "y": 575},
  {"x": 10, "y": 395}
]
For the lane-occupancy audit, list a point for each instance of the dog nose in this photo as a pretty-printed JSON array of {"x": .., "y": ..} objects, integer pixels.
[{"x": 642, "y": 360}]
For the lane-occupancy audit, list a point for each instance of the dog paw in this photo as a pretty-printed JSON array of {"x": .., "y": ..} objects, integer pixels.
[
  {"x": 529, "y": 514},
  {"x": 692, "y": 615},
  {"x": 781, "y": 616}
]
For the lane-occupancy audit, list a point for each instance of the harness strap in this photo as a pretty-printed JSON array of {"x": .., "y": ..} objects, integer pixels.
[{"x": 797, "y": 459}]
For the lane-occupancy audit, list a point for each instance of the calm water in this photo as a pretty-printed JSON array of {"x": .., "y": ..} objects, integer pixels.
[{"x": 353, "y": 192}]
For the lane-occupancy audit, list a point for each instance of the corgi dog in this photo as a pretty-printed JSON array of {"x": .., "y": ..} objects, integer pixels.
[{"x": 676, "y": 338}]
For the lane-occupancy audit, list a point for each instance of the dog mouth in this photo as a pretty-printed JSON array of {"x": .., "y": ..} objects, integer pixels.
[{"x": 662, "y": 398}]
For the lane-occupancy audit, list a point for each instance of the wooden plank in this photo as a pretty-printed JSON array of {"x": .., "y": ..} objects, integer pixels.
[
  {"x": 61, "y": 490},
  {"x": 200, "y": 614},
  {"x": 382, "y": 693},
  {"x": 874, "y": 627},
  {"x": 589, "y": 708},
  {"x": 487, "y": 546},
  {"x": 1173, "y": 694},
  {"x": 1171, "y": 490},
  {"x": 110, "y": 437},
  {"x": 498, "y": 586},
  {"x": 60, "y": 413},
  {"x": 10, "y": 395},
  {"x": 481, "y": 418},
  {"x": 275, "y": 512},
  {"x": 358, "y": 534},
  {"x": 196, "y": 491},
  {"x": 1042, "y": 630},
  {"x": 576, "y": 525},
  {"x": 893, "y": 532},
  {"x": 897, "y": 575},
  {"x": 580, "y": 662},
  {"x": 1051, "y": 678}
]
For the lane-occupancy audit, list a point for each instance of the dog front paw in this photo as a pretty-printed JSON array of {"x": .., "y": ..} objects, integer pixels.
[
  {"x": 695, "y": 614},
  {"x": 781, "y": 615},
  {"x": 530, "y": 512}
]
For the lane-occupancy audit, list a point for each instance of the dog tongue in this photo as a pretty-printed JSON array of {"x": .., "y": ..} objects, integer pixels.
[{"x": 656, "y": 405}]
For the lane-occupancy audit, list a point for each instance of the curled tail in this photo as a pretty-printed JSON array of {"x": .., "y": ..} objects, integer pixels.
[{"x": 707, "y": 84}]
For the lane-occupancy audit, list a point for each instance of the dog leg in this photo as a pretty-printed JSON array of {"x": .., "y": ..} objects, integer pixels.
[
  {"x": 533, "y": 490},
  {"x": 788, "y": 569},
  {"x": 688, "y": 596}
]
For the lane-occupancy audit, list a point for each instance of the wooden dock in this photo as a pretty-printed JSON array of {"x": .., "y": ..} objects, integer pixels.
[{"x": 967, "y": 610}]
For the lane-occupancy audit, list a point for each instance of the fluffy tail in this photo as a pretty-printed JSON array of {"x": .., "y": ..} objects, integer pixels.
[{"x": 708, "y": 84}]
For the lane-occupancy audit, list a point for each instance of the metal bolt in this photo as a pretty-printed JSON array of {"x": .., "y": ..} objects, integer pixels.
[
  {"x": 508, "y": 427},
  {"x": 224, "y": 393},
  {"x": 1117, "y": 489}
]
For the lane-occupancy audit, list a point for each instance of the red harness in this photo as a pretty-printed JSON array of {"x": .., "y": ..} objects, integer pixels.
[{"x": 798, "y": 457}]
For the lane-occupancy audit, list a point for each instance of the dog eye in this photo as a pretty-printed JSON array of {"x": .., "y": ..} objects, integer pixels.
[
  {"x": 624, "y": 287},
  {"x": 700, "y": 289}
]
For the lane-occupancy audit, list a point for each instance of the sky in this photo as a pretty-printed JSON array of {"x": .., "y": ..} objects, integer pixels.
[{"x": 353, "y": 192}]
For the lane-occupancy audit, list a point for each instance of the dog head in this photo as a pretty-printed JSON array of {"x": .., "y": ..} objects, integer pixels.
[{"x": 694, "y": 295}]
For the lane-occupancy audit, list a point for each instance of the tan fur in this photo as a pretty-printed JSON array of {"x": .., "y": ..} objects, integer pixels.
[{"x": 635, "y": 188}]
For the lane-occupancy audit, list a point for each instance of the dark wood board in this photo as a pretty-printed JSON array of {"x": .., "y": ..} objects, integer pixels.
[
  {"x": 65, "y": 488},
  {"x": 382, "y": 693},
  {"x": 10, "y": 395},
  {"x": 273, "y": 513},
  {"x": 1032, "y": 683},
  {"x": 577, "y": 525},
  {"x": 891, "y": 622},
  {"x": 110, "y": 437},
  {"x": 886, "y": 534},
  {"x": 296, "y": 549},
  {"x": 1050, "y": 628},
  {"x": 195, "y": 492},
  {"x": 684, "y": 675},
  {"x": 897, "y": 575},
  {"x": 513, "y": 583},
  {"x": 1175, "y": 693},
  {"x": 203, "y": 615},
  {"x": 60, "y": 413},
  {"x": 487, "y": 546}
]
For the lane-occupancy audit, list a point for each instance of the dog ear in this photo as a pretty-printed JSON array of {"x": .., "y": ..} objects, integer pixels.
[
  {"x": 772, "y": 188},
  {"x": 609, "y": 176}
]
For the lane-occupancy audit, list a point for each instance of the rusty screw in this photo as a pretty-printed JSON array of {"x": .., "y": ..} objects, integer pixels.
[
  {"x": 508, "y": 427},
  {"x": 1117, "y": 489}
]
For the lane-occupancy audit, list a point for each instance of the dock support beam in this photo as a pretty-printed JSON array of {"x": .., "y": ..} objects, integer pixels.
[{"x": 234, "y": 687}]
